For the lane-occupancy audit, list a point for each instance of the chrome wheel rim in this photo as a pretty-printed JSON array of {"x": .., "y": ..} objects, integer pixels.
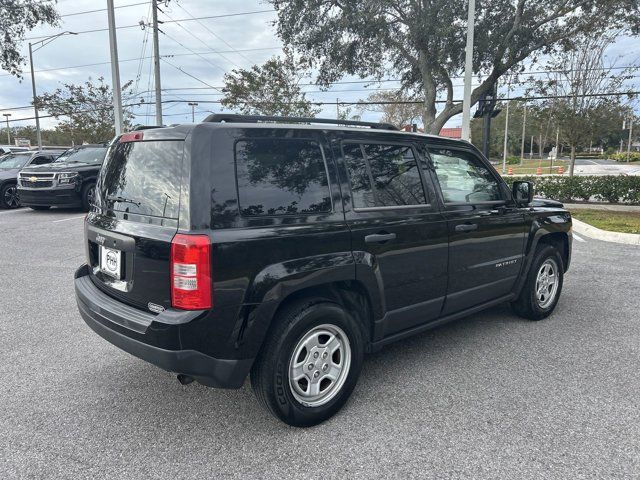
[
  {"x": 547, "y": 283},
  {"x": 11, "y": 198},
  {"x": 319, "y": 365}
]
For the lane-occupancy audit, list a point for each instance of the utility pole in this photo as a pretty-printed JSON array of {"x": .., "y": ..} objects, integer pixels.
[
  {"x": 506, "y": 134},
  {"x": 524, "y": 127},
  {"x": 156, "y": 62},
  {"x": 557, "y": 149},
  {"x": 115, "y": 68},
  {"x": 531, "y": 149},
  {"x": 468, "y": 66},
  {"x": 629, "y": 142},
  {"x": 193, "y": 106},
  {"x": 337, "y": 109},
  {"x": 7, "y": 115},
  {"x": 35, "y": 104}
]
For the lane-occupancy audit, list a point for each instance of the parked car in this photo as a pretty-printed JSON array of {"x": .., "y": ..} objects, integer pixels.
[
  {"x": 68, "y": 182},
  {"x": 285, "y": 251},
  {"x": 10, "y": 165},
  {"x": 5, "y": 149}
]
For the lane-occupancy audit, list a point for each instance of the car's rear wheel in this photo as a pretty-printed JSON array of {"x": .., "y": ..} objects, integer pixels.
[
  {"x": 88, "y": 195},
  {"x": 543, "y": 285},
  {"x": 310, "y": 363},
  {"x": 9, "y": 196}
]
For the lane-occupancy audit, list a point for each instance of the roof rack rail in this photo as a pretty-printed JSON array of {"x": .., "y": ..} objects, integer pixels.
[{"x": 235, "y": 118}]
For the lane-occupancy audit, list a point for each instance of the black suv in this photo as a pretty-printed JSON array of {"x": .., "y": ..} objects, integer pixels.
[
  {"x": 68, "y": 182},
  {"x": 10, "y": 166},
  {"x": 286, "y": 248}
]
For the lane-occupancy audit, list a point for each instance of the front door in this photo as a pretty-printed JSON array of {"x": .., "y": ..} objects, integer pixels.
[
  {"x": 486, "y": 231},
  {"x": 398, "y": 236}
]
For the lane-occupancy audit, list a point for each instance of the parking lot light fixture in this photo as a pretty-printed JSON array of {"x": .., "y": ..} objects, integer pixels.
[
  {"x": 193, "y": 111},
  {"x": 43, "y": 42}
]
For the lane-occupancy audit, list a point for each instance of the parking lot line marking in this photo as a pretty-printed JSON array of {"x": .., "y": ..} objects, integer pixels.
[
  {"x": 65, "y": 219},
  {"x": 579, "y": 238}
]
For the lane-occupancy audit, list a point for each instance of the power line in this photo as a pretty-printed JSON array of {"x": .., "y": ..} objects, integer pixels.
[
  {"x": 102, "y": 9},
  {"x": 213, "y": 33},
  {"x": 342, "y": 103},
  {"x": 209, "y": 17},
  {"x": 169, "y": 55}
]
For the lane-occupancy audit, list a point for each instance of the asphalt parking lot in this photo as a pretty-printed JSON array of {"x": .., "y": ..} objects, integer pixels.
[{"x": 491, "y": 396}]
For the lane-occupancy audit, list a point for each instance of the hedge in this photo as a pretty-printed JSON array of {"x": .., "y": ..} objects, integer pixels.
[
  {"x": 603, "y": 188},
  {"x": 622, "y": 157}
]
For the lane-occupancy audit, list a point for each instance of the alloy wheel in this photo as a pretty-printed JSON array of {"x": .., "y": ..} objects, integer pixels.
[
  {"x": 11, "y": 198},
  {"x": 547, "y": 283}
]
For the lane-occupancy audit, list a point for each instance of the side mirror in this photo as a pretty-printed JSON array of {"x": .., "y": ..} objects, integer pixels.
[{"x": 522, "y": 193}]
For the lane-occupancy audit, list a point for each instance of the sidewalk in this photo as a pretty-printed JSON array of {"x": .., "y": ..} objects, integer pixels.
[{"x": 602, "y": 206}]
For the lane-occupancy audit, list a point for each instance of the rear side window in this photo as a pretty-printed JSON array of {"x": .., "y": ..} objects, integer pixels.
[
  {"x": 383, "y": 175},
  {"x": 463, "y": 178},
  {"x": 281, "y": 177},
  {"x": 143, "y": 178}
]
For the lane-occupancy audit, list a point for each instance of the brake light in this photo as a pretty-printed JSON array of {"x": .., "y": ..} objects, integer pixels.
[
  {"x": 191, "y": 272},
  {"x": 131, "y": 137}
]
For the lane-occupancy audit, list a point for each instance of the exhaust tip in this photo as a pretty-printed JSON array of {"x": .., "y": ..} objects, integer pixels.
[{"x": 185, "y": 379}]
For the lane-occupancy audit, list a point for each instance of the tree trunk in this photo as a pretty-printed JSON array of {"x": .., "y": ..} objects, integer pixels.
[{"x": 573, "y": 160}]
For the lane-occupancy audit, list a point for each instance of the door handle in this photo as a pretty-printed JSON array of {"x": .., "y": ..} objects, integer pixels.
[
  {"x": 466, "y": 227},
  {"x": 379, "y": 237}
]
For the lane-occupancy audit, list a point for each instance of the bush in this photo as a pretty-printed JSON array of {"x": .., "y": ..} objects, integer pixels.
[
  {"x": 622, "y": 157},
  {"x": 513, "y": 160},
  {"x": 602, "y": 188}
]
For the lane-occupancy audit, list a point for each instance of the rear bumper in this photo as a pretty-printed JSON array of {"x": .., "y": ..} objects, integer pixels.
[
  {"x": 118, "y": 323},
  {"x": 50, "y": 197}
]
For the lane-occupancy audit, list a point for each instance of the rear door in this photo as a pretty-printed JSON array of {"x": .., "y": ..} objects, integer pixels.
[
  {"x": 486, "y": 232},
  {"x": 398, "y": 235},
  {"x": 136, "y": 215}
]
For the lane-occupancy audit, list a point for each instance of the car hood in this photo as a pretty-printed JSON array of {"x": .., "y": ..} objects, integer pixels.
[
  {"x": 62, "y": 167},
  {"x": 546, "y": 202},
  {"x": 6, "y": 174}
]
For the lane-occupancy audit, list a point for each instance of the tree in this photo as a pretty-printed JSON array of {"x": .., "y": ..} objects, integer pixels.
[
  {"x": 269, "y": 89},
  {"x": 582, "y": 82},
  {"x": 399, "y": 114},
  {"x": 17, "y": 17},
  {"x": 87, "y": 110},
  {"x": 423, "y": 42}
]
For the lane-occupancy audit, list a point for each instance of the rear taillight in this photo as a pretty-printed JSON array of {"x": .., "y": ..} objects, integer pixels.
[
  {"x": 191, "y": 272},
  {"x": 131, "y": 137}
]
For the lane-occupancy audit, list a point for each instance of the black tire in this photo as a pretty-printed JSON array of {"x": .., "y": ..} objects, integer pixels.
[
  {"x": 270, "y": 373},
  {"x": 528, "y": 305},
  {"x": 9, "y": 196},
  {"x": 40, "y": 207},
  {"x": 88, "y": 192}
]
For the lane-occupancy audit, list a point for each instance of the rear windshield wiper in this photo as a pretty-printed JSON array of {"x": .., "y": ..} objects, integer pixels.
[{"x": 115, "y": 198}]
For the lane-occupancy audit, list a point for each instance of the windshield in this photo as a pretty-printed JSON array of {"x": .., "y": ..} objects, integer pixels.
[
  {"x": 14, "y": 160},
  {"x": 83, "y": 155}
]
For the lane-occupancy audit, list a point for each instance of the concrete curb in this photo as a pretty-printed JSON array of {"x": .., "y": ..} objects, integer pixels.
[{"x": 590, "y": 231}]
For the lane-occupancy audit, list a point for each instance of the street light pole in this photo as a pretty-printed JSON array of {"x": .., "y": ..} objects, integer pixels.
[
  {"x": 35, "y": 104},
  {"x": 7, "y": 115},
  {"x": 524, "y": 131},
  {"x": 193, "y": 106},
  {"x": 43, "y": 42},
  {"x": 629, "y": 142},
  {"x": 115, "y": 68},
  {"x": 468, "y": 66},
  {"x": 156, "y": 62}
]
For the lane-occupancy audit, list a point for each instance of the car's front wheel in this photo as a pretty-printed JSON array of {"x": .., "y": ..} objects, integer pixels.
[
  {"x": 88, "y": 195},
  {"x": 9, "y": 196},
  {"x": 543, "y": 285},
  {"x": 310, "y": 363}
]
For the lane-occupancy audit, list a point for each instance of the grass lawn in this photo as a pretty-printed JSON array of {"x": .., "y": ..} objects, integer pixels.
[
  {"x": 626, "y": 222},
  {"x": 530, "y": 167}
]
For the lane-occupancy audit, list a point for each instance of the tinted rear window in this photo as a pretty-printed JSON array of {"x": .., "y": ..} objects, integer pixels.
[
  {"x": 281, "y": 177},
  {"x": 144, "y": 178},
  {"x": 84, "y": 155}
]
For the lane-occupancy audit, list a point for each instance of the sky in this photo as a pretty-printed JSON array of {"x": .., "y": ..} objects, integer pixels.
[{"x": 242, "y": 35}]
